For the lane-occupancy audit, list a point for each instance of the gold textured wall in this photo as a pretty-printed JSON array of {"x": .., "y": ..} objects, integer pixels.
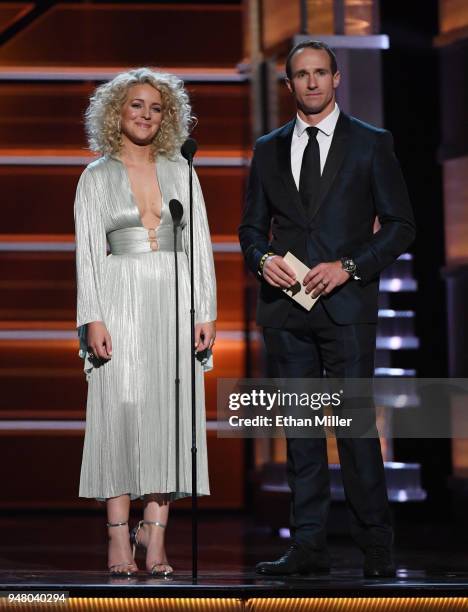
[
  {"x": 359, "y": 16},
  {"x": 280, "y": 19},
  {"x": 453, "y": 15},
  {"x": 456, "y": 210},
  {"x": 320, "y": 16}
]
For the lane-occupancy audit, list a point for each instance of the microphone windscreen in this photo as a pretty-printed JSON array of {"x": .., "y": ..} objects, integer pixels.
[
  {"x": 189, "y": 148},
  {"x": 177, "y": 211}
]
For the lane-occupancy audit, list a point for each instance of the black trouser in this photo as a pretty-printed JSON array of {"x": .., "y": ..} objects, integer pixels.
[{"x": 313, "y": 345}]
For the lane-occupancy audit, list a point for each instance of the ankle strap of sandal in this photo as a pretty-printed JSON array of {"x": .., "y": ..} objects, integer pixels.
[
  {"x": 116, "y": 524},
  {"x": 154, "y": 523}
]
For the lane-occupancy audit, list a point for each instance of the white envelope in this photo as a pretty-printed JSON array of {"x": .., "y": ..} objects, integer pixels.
[{"x": 297, "y": 291}]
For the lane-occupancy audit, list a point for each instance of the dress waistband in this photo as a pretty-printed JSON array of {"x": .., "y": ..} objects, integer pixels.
[{"x": 130, "y": 240}]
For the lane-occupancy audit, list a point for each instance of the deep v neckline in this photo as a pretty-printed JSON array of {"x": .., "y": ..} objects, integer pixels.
[{"x": 134, "y": 200}]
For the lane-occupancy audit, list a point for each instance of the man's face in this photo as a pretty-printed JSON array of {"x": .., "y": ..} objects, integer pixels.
[{"x": 312, "y": 81}]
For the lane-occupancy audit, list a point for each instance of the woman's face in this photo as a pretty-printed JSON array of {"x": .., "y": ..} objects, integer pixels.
[{"x": 141, "y": 114}]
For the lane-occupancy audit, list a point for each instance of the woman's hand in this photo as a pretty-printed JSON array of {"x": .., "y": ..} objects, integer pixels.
[
  {"x": 205, "y": 334},
  {"x": 99, "y": 340}
]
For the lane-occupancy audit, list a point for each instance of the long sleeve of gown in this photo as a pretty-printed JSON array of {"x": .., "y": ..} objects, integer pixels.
[
  {"x": 90, "y": 240},
  {"x": 204, "y": 274},
  {"x": 204, "y": 278}
]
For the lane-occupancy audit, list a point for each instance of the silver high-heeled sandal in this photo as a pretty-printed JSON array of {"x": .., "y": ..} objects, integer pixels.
[
  {"x": 127, "y": 573},
  {"x": 134, "y": 540}
]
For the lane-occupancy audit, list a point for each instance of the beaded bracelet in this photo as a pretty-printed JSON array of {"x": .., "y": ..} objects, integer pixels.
[{"x": 262, "y": 261}]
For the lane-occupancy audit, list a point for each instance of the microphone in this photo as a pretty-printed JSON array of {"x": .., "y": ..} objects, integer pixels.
[
  {"x": 177, "y": 212},
  {"x": 189, "y": 148}
]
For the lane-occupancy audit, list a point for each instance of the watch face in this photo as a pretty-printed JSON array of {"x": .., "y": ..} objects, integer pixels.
[{"x": 349, "y": 265}]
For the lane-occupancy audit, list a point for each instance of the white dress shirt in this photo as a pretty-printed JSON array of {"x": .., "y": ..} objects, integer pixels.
[{"x": 300, "y": 139}]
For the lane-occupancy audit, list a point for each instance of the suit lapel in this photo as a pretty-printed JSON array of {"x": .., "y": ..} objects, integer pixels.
[
  {"x": 335, "y": 157},
  {"x": 284, "y": 164}
]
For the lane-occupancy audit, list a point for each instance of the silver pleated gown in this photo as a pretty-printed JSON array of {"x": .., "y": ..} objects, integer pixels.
[{"x": 134, "y": 443}]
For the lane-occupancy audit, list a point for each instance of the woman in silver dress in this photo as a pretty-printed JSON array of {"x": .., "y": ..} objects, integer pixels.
[{"x": 135, "y": 445}]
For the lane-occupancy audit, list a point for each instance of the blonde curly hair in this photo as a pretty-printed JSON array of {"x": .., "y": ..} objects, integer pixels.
[{"x": 102, "y": 117}]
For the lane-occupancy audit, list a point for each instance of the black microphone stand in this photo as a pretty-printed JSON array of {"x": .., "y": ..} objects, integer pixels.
[
  {"x": 188, "y": 150},
  {"x": 176, "y": 211}
]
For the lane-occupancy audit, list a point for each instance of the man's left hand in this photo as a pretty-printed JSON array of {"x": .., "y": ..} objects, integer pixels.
[{"x": 324, "y": 277}]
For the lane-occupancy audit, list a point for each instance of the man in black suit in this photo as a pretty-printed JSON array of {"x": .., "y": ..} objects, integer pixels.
[{"x": 316, "y": 186}]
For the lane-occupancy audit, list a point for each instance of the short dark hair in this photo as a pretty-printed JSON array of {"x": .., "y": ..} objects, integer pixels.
[{"x": 311, "y": 44}]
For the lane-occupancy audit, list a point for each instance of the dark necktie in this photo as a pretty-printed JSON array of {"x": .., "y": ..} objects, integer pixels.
[{"x": 309, "y": 180}]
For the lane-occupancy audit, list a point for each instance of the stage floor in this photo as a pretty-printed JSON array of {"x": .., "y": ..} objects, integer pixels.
[
  {"x": 67, "y": 552},
  {"x": 241, "y": 584}
]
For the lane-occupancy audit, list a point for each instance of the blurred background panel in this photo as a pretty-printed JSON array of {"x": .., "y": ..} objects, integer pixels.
[{"x": 133, "y": 33}]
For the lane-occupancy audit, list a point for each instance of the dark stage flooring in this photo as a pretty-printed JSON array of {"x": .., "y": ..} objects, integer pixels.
[
  {"x": 67, "y": 551},
  {"x": 239, "y": 584}
]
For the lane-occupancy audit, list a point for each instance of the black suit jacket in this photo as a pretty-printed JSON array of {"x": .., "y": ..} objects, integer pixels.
[{"x": 361, "y": 179}]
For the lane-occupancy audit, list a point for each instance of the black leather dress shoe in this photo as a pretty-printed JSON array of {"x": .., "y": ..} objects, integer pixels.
[
  {"x": 298, "y": 559},
  {"x": 378, "y": 563}
]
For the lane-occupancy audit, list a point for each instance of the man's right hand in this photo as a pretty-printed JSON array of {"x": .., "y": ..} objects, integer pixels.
[
  {"x": 277, "y": 273},
  {"x": 99, "y": 340}
]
